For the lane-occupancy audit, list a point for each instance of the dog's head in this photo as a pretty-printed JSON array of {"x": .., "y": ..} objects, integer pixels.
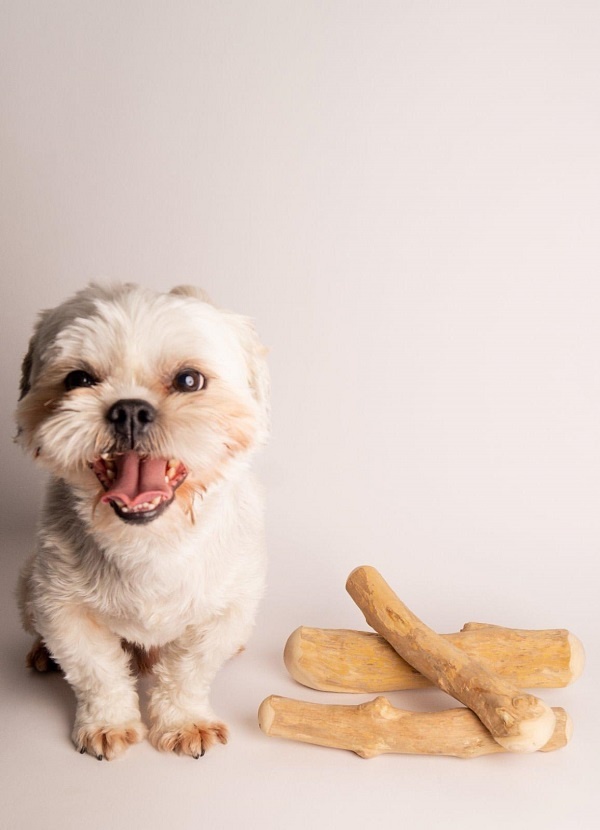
[{"x": 140, "y": 400}]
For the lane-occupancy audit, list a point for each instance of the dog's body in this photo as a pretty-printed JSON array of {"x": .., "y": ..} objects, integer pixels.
[{"x": 146, "y": 408}]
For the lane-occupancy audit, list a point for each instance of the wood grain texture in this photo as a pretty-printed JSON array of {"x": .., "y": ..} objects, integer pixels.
[
  {"x": 342, "y": 660},
  {"x": 518, "y": 721},
  {"x": 377, "y": 727}
]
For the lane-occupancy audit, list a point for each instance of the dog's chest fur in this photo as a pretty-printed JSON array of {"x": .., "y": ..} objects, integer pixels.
[{"x": 148, "y": 587}]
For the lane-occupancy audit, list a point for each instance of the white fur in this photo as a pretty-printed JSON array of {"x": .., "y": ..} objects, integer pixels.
[{"x": 188, "y": 582}]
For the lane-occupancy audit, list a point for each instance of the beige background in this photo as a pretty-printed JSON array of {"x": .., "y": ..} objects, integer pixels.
[{"x": 404, "y": 195}]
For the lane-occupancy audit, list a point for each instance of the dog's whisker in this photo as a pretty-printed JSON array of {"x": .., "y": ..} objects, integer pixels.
[{"x": 190, "y": 510}]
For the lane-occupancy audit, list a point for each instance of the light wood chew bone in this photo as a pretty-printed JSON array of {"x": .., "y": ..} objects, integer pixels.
[
  {"x": 519, "y": 722},
  {"x": 376, "y": 727},
  {"x": 340, "y": 660}
]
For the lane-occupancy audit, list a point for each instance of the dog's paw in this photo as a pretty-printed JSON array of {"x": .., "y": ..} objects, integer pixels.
[
  {"x": 105, "y": 741},
  {"x": 190, "y": 738},
  {"x": 40, "y": 659}
]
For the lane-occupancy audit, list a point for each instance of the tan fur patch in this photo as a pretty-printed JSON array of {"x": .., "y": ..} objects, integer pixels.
[
  {"x": 236, "y": 419},
  {"x": 219, "y": 406}
]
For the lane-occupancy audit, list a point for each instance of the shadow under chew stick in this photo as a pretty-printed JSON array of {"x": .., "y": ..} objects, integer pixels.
[
  {"x": 342, "y": 660},
  {"x": 519, "y": 722},
  {"x": 373, "y": 728}
]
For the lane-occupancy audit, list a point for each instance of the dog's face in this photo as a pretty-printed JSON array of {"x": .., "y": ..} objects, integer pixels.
[{"x": 141, "y": 401}]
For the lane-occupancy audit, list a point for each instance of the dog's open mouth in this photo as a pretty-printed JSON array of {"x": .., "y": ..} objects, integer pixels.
[{"x": 138, "y": 488}]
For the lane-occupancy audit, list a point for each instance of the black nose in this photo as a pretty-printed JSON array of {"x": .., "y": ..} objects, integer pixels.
[{"x": 131, "y": 419}]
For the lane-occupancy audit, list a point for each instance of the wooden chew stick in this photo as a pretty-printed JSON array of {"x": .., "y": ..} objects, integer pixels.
[
  {"x": 519, "y": 722},
  {"x": 376, "y": 727},
  {"x": 340, "y": 660}
]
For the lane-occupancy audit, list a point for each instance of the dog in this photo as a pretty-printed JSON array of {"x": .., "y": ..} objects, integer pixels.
[{"x": 146, "y": 408}]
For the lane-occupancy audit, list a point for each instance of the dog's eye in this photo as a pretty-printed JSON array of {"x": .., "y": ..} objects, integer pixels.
[
  {"x": 189, "y": 380},
  {"x": 79, "y": 378}
]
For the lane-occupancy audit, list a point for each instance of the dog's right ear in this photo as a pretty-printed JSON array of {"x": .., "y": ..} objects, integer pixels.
[
  {"x": 32, "y": 357},
  {"x": 26, "y": 368},
  {"x": 191, "y": 291},
  {"x": 257, "y": 370}
]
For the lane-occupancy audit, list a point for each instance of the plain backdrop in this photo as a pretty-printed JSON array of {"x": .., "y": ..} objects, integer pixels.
[{"x": 405, "y": 197}]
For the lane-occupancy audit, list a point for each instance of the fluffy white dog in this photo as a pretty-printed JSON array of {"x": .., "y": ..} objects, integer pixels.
[{"x": 146, "y": 409}]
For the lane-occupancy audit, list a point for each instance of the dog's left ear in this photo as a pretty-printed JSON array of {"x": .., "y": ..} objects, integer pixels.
[
  {"x": 258, "y": 372},
  {"x": 26, "y": 369}
]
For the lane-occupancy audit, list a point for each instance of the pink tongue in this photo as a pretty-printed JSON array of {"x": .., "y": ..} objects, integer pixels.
[{"x": 138, "y": 480}]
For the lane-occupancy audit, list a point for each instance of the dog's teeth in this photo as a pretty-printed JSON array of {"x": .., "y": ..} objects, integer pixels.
[
  {"x": 171, "y": 473},
  {"x": 125, "y": 509},
  {"x": 141, "y": 508},
  {"x": 110, "y": 474},
  {"x": 173, "y": 462},
  {"x": 155, "y": 502}
]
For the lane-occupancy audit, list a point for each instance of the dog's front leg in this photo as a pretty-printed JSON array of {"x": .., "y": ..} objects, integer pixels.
[
  {"x": 183, "y": 720},
  {"x": 108, "y": 719}
]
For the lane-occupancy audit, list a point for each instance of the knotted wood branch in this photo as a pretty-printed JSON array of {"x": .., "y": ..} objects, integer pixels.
[
  {"x": 377, "y": 727},
  {"x": 340, "y": 660},
  {"x": 519, "y": 722}
]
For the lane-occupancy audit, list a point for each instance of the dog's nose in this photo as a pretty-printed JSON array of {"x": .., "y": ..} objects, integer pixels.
[{"x": 131, "y": 418}]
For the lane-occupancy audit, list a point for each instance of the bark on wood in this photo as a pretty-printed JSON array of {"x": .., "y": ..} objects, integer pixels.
[
  {"x": 341, "y": 660},
  {"x": 377, "y": 727},
  {"x": 517, "y": 721}
]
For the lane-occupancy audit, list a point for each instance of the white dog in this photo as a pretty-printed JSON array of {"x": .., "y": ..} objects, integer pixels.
[{"x": 146, "y": 409}]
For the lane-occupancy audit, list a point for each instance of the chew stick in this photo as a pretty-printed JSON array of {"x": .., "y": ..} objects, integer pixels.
[
  {"x": 519, "y": 722},
  {"x": 341, "y": 660},
  {"x": 377, "y": 727}
]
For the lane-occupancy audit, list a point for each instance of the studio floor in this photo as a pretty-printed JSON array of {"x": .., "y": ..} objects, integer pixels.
[{"x": 267, "y": 782}]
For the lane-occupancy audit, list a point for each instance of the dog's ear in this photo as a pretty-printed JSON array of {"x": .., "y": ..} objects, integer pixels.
[
  {"x": 26, "y": 367},
  {"x": 32, "y": 357},
  {"x": 258, "y": 372},
  {"x": 191, "y": 291}
]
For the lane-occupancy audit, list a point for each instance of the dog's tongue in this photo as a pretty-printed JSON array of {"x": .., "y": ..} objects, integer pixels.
[{"x": 138, "y": 480}]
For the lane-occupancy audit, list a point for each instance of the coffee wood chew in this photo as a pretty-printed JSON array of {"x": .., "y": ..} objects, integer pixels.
[
  {"x": 377, "y": 727},
  {"x": 517, "y": 721},
  {"x": 341, "y": 660}
]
